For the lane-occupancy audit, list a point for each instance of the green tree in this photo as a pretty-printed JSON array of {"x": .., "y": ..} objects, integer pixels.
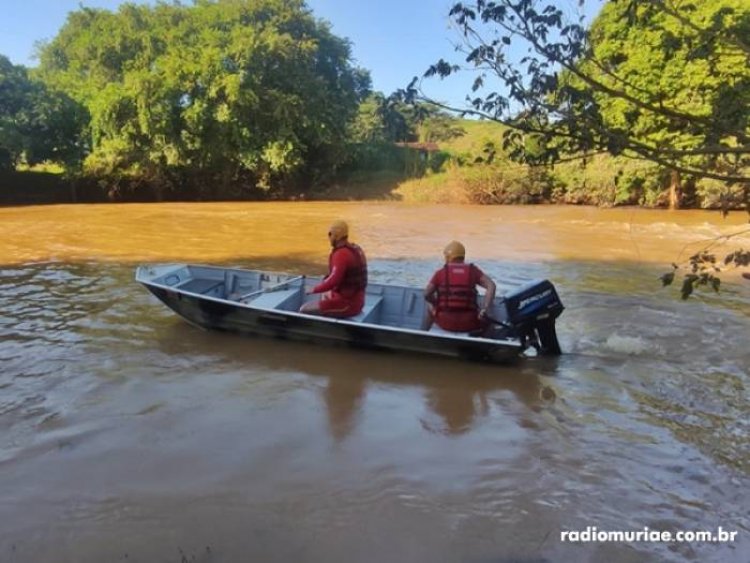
[
  {"x": 248, "y": 92},
  {"x": 388, "y": 119},
  {"x": 438, "y": 125},
  {"x": 36, "y": 123},
  {"x": 382, "y": 119}
]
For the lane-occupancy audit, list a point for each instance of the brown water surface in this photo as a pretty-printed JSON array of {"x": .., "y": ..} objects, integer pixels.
[{"x": 128, "y": 435}]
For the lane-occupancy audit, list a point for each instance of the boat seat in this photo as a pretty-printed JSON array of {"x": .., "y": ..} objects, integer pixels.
[
  {"x": 274, "y": 299},
  {"x": 201, "y": 286},
  {"x": 369, "y": 311}
]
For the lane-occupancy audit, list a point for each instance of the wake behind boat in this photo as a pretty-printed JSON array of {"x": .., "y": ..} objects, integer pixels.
[{"x": 267, "y": 304}]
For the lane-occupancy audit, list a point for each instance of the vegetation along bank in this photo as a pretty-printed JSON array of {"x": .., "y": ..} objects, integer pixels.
[{"x": 260, "y": 100}]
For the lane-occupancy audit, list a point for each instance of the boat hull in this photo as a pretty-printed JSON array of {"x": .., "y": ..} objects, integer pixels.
[{"x": 214, "y": 313}]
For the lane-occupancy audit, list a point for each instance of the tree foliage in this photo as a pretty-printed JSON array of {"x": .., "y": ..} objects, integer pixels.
[
  {"x": 382, "y": 119},
  {"x": 250, "y": 91},
  {"x": 389, "y": 119},
  {"x": 439, "y": 126},
  {"x": 667, "y": 81},
  {"x": 36, "y": 123}
]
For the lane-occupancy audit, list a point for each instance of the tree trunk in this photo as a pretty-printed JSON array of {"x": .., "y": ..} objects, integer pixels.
[{"x": 675, "y": 191}]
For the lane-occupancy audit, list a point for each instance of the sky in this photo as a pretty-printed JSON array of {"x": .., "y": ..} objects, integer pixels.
[{"x": 394, "y": 39}]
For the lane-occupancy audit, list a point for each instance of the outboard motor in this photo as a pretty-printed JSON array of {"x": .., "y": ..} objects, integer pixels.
[{"x": 531, "y": 313}]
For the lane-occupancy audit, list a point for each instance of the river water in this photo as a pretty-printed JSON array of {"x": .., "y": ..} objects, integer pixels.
[{"x": 128, "y": 435}]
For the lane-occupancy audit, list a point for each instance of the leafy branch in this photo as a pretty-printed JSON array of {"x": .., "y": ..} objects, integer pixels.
[{"x": 704, "y": 266}]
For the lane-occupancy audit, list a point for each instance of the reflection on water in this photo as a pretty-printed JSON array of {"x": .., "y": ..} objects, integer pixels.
[
  {"x": 126, "y": 434},
  {"x": 454, "y": 393},
  {"x": 343, "y": 399},
  {"x": 457, "y": 408}
]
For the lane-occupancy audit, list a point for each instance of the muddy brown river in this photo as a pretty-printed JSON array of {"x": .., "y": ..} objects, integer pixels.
[{"x": 128, "y": 435}]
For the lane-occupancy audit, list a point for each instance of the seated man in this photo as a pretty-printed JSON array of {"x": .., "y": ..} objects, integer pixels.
[
  {"x": 451, "y": 294},
  {"x": 344, "y": 288}
]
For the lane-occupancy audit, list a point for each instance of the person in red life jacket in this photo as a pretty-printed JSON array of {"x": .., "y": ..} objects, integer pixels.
[
  {"x": 343, "y": 288},
  {"x": 451, "y": 294}
]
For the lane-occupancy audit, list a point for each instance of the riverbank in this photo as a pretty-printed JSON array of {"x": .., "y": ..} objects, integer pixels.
[
  {"x": 454, "y": 185},
  {"x": 37, "y": 188}
]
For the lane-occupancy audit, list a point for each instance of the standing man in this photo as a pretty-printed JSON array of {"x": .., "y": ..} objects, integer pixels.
[
  {"x": 451, "y": 294},
  {"x": 344, "y": 288}
]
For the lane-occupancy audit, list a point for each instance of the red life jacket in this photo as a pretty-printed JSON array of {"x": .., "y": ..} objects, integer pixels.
[
  {"x": 355, "y": 278},
  {"x": 458, "y": 291}
]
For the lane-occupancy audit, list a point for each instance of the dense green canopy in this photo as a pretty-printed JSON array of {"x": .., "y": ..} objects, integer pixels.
[
  {"x": 256, "y": 92},
  {"x": 673, "y": 86},
  {"x": 36, "y": 123}
]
